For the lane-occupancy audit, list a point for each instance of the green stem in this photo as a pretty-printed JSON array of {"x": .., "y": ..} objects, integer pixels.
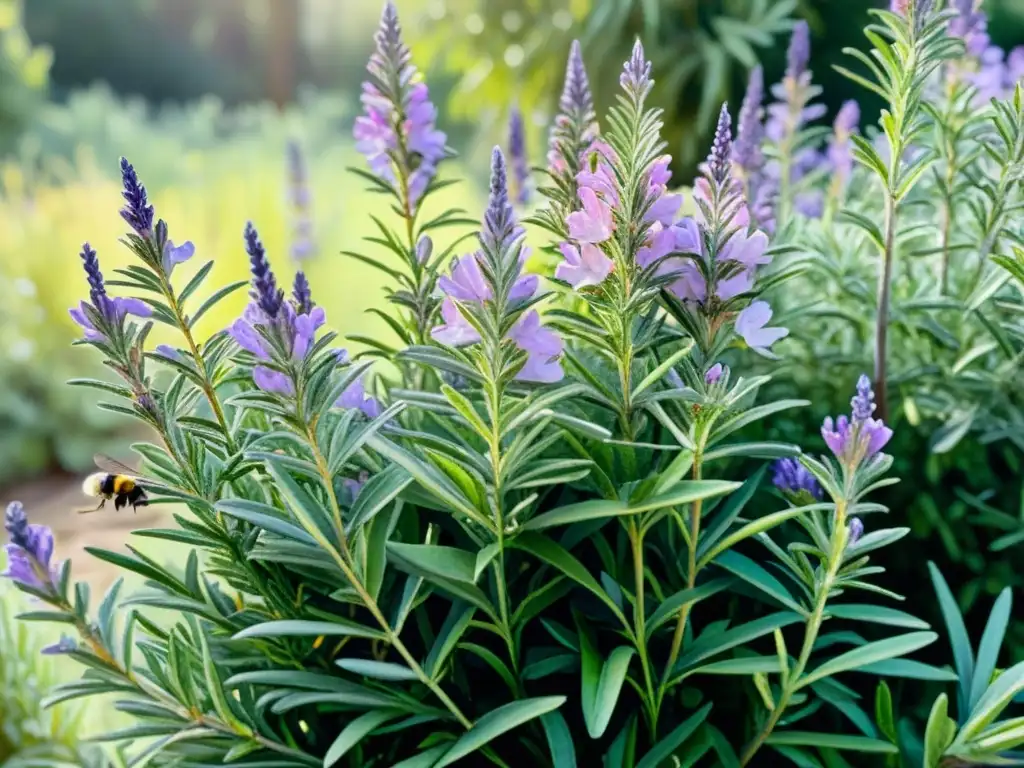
[
  {"x": 691, "y": 581},
  {"x": 207, "y": 384},
  {"x": 882, "y": 319},
  {"x": 636, "y": 539},
  {"x": 97, "y": 647},
  {"x": 793, "y": 680}
]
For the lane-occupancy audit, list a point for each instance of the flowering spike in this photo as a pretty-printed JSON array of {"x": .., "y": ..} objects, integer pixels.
[
  {"x": 799, "y": 53},
  {"x": 264, "y": 286},
  {"x": 854, "y": 440},
  {"x": 97, "y": 290},
  {"x": 302, "y": 245},
  {"x": 576, "y": 95},
  {"x": 29, "y": 550},
  {"x": 302, "y": 295},
  {"x": 499, "y": 221},
  {"x": 517, "y": 156},
  {"x": 746, "y": 150},
  {"x": 721, "y": 147},
  {"x": 137, "y": 210},
  {"x": 971, "y": 25},
  {"x": 793, "y": 478},
  {"x": 396, "y": 133},
  {"x": 636, "y": 75}
]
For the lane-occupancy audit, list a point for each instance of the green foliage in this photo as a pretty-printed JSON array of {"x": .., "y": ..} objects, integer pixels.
[
  {"x": 23, "y": 74},
  {"x": 30, "y": 734},
  {"x": 701, "y": 49},
  {"x": 528, "y": 528}
]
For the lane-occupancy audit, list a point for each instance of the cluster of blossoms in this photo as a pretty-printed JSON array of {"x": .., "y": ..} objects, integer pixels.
[
  {"x": 858, "y": 438},
  {"x": 397, "y": 133},
  {"x": 467, "y": 289},
  {"x": 299, "y": 203},
  {"x": 29, "y": 551},
  {"x": 102, "y": 309},
  {"x": 993, "y": 72},
  {"x": 292, "y": 324},
  {"x": 720, "y": 246}
]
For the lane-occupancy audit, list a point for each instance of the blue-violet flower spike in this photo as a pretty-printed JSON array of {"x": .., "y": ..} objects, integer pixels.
[
  {"x": 264, "y": 286},
  {"x": 137, "y": 210},
  {"x": 792, "y": 477}
]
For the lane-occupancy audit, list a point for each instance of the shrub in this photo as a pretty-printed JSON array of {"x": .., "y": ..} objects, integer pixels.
[{"x": 534, "y": 538}]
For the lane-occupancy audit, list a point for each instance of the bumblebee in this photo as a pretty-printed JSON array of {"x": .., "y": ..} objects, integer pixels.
[{"x": 117, "y": 482}]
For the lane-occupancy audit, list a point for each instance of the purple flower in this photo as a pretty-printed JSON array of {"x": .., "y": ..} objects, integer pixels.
[
  {"x": 517, "y": 156},
  {"x": 799, "y": 52},
  {"x": 971, "y": 25},
  {"x": 294, "y": 325},
  {"x": 751, "y": 326},
  {"x": 355, "y": 396},
  {"x": 264, "y": 291},
  {"x": 64, "y": 646},
  {"x": 543, "y": 348},
  {"x": 714, "y": 374},
  {"x": 575, "y": 126},
  {"x": 636, "y": 74},
  {"x": 137, "y": 211},
  {"x": 353, "y": 485},
  {"x": 721, "y": 147},
  {"x": 746, "y": 150},
  {"x": 856, "y": 439},
  {"x": 854, "y": 532},
  {"x": 174, "y": 255},
  {"x": 167, "y": 351},
  {"x": 584, "y": 265},
  {"x": 299, "y": 198},
  {"x": 471, "y": 285},
  {"x": 29, "y": 551},
  {"x": 840, "y": 150},
  {"x": 302, "y": 295},
  {"x": 793, "y": 478},
  {"x": 424, "y": 249},
  {"x": 397, "y": 133},
  {"x": 112, "y": 310}
]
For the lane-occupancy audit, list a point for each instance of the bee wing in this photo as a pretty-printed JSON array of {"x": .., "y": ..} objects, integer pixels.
[{"x": 108, "y": 464}]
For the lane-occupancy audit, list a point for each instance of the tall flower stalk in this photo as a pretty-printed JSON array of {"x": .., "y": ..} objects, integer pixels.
[
  {"x": 858, "y": 467},
  {"x": 918, "y": 45},
  {"x": 398, "y": 136}
]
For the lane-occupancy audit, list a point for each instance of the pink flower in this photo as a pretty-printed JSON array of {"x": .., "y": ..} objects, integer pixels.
[
  {"x": 542, "y": 346},
  {"x": 751, "y": 326},
  {"x": 583, "y": 266},
  {"x": 594, "y": 223}
]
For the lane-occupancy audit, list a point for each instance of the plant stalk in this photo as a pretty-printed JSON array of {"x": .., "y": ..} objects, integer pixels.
[{"x": 884, "y": 299}]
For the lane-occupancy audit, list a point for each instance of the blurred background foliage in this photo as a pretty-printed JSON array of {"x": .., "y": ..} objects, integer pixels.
[{"x": 204, "y": 97}]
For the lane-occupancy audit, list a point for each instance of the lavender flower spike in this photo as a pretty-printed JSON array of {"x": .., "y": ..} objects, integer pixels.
[
  {"x": 856, "y": 439},
  {"x": 517, "y": 156},
  {"x": 793, "y": 478},
  {"x": 721, "y": 147},
  {"x": 746, "y": 150},
  {"x": 29, "y": 550},
  {"x": 302, "y": 294},
  {"x": 799, "y": 53},
  {"x": 636, "y": 75},
  {"x": 137, "y": 210},
  {"x": 264, "y": 286},
  {"x": 113, "y": 310},
  {"x": 576, "y": 95},
  {"x": 500, "y": 227}
]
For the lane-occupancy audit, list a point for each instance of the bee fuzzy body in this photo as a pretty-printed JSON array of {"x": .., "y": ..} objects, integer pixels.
[{"x": 124, "y": 490}]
